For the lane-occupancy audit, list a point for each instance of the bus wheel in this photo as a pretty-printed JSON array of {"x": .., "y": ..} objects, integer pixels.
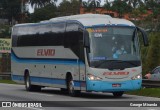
[
  {"x": 29, "y": 86},
  {"x": 64, "y": 90},
  {"x": 71, "y": 90},
  {"x": 117, "y": 94}
]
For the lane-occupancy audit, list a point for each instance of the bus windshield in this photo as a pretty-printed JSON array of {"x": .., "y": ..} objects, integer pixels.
[{"x": 113, "y": 45}]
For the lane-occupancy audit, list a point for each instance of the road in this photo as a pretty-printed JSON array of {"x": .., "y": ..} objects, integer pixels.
[{"x": 13, "y": 92}]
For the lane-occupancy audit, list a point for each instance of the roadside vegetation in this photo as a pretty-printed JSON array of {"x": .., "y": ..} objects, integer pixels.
[
  {"x": 149, "y": 92},
  {"x": 7, "y": 81},
  {"x": 151, "y": 54}
]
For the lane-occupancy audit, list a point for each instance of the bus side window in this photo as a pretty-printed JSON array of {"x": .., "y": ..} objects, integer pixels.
[
  {"x": 74, "y": 38},
  {"x": 51, "y": 34},
  {"x": 71, "y": 38},
  {"x": 14, "y": 36},
  {"x": 27, "y": 39},
  {"x": 57, "y": 38}
]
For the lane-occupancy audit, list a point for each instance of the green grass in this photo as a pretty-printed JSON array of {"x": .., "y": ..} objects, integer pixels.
[
  {"x": 7, "y": 81},
  {"x": 151, "y": 92}
]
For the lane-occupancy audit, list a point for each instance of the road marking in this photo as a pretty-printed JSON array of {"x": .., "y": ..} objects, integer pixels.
[
  {"x": 35, "y": 108},
  {"x": 41, "y": 94}
]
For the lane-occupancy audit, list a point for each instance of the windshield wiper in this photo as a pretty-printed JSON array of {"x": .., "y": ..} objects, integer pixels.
[
  {"x": 117, "y": 61},
  {"x": 104, "y": 62},
  {"x": 130, "y": 62}
]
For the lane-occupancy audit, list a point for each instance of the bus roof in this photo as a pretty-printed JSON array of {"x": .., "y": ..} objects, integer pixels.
[
  {"x": 94, "y": 19},
  {"x": 87, "y": 20}
]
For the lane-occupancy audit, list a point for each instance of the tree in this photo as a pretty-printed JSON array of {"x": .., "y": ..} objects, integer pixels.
[
  {"x": 45, "y": 13},
  {"x": 153, "y": 56},
  {"x": 40, "y": 3},
  {"x": 91, "y": 5},
  {"x": 68, "y": 7},
  {"x": 107, "y": 5},
  {"x": 121, "y": 7},
  {"x": 135, "y": 3},
  {"x": 154, "y": 6},
  {"x": 11, "y": 9}
]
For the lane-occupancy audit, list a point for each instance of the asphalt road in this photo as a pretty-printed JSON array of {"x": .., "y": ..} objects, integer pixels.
[{"x": 11, "y": 92}]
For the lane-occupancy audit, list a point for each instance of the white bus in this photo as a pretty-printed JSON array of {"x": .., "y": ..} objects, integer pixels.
[{"x": 89, "y": 52}]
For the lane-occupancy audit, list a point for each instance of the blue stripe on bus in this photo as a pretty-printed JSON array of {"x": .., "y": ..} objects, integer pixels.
[
  {"x": 45, "y": 60},
  {"x": 17, "y": 77},
  {"x": 45, "y": 80}
]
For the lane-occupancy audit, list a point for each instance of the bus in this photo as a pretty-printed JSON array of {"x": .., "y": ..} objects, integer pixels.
[{"x": 88, "y": 52}]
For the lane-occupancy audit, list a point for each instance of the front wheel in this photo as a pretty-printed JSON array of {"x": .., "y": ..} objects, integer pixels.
[
  {"x": 118, "y": 94},
  {"x": 71, "y": 90},
  {"x": 29, "y": 86}
]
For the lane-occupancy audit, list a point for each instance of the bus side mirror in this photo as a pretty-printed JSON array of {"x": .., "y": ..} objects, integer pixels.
[
  {"x": 86, "y": 39},
  {"x": 144, "y": 35}
]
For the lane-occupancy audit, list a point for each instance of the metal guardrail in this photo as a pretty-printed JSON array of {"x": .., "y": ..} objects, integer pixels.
[
  {"x": 5, "y": 75},
  {"x": 151, "y": 83}
]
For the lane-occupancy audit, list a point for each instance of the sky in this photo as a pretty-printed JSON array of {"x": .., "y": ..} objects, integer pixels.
[{"x": 31, "y": 10}]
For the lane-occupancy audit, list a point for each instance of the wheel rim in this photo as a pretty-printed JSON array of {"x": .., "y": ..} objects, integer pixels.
[
  {"x": 27, "y": 82},
  {"x": 71, "y": 87}
]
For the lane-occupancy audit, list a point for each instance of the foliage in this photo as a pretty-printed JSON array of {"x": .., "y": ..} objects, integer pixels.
[
  {"x": 121, "y": 7},
  {"x": 5, "y": 31},
  {"x": 151, "y": 54},
  {"x": 151, "y": 92},
  {"x": 44, "y": 13},
  {"x": 39, "y": 3},
  {"x": 91, "y": 5},
  {"x": 10, "y": 9},
  {"x": 68, "y": 7}
]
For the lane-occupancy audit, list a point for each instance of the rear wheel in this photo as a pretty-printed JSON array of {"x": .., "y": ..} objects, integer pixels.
[
  {"x": 118, "y": 94},
  {"x": 64, "y": 90},
  {"x": 71, "y": 90},
  {"x": 29, "y": 86}
]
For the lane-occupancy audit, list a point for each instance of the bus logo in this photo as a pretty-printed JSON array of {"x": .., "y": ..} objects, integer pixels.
[
  {"x": 115, "y": 73},
  {"x": 45, "y": 52}
]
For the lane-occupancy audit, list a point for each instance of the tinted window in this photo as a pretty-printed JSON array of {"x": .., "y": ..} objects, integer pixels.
[
  {"x": 73, "y": 38},
  {"x": 52, "y": 35},
  {"x": 14, "y": 36},
  {"x": 41, "y": 35},
  {"x": 27, "y": 36},
  {"x": 72, "y": 34}
]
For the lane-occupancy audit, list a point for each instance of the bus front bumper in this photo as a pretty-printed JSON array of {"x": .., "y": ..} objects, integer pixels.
[{"x": 106, "y": 86}]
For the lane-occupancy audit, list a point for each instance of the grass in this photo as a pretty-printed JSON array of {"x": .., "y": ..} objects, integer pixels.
[
  {"x": 151, "y": 92},
  {"x": 7, "y": 81}
]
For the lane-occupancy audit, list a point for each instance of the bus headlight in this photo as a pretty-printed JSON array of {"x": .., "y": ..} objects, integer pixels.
[
  {"x": 139, "y": 76},
  {"x": 92, "y": 77}
]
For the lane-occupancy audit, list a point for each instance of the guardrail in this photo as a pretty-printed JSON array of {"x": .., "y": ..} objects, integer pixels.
[
  {"x": 150, "y": 83},
  {"x": 5, "y": 75}
]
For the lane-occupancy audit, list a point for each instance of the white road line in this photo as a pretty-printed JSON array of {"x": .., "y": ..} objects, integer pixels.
[
  {"x": 41, "y": 94},
  {"x": 35, "y": 108}
]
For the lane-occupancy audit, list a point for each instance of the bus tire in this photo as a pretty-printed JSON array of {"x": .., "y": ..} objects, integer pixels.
[
  {"x": 71, "y": 90},
  {"x": 118, "y": 94},
  {"x": 64, "y": 90},
  {"x": 29, "y": 86}
]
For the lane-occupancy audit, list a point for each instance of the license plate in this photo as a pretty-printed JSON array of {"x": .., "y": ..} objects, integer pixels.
[{"x": 116, "y": 85}]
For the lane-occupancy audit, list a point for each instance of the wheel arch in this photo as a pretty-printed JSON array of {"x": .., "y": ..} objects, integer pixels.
[
  {"x": 26, "y": 72},
  {"x": 68, "y": 75}
]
